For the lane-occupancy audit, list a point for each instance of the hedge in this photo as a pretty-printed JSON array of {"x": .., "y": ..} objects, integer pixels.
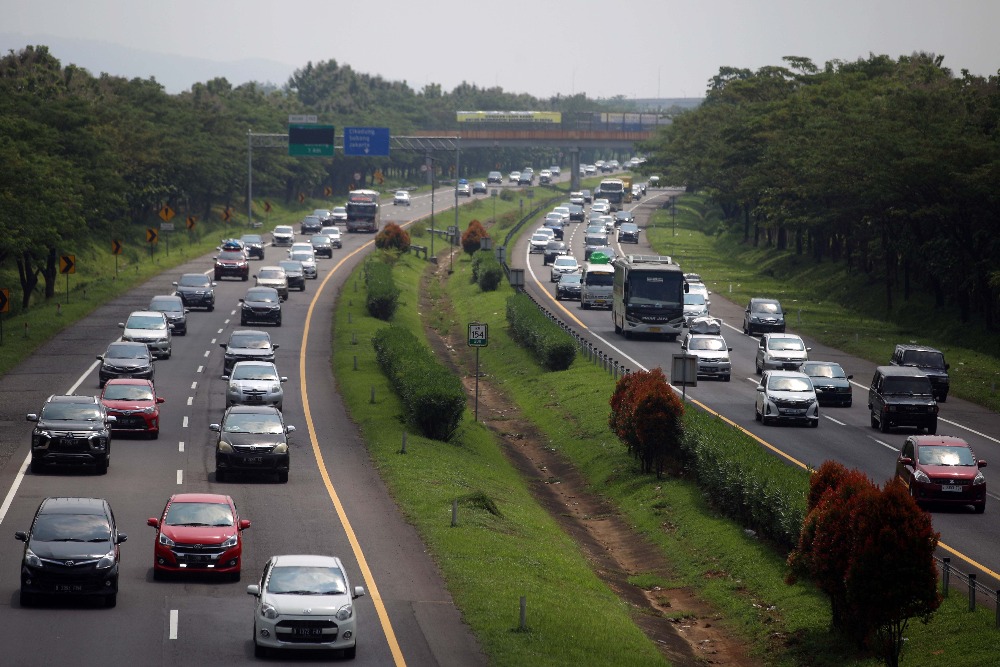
[
  {"x": 486, "y": 270},
  {"x": 530, "y": 327},
  {"x": 432, "y": 396},
  {"x": 383, "y": 295}
]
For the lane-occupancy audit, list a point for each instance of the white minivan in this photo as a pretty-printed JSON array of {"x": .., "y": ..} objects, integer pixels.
[{"x": 596, "y": 285}]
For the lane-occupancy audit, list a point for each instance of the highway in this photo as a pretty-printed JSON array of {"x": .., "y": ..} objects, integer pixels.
[
  {"x": 334, "y": 502},
  {"x": 844, "y": 434}
]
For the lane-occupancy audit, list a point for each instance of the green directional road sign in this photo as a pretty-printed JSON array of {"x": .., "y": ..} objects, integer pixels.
[{"x": 311, "y": 140}]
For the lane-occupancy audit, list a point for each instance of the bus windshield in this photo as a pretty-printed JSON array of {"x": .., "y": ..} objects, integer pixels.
[{"x": 654, "y": 288}]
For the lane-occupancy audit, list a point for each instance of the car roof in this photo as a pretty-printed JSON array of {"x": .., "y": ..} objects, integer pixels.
[
  {"x": 253, "y": 410},
  {"x": 785, "y": 374},
  {"x": 764, "y": 300},
  {"x": 306, "y": 559},
  {"x": 916, "y": 347},
  {"x": 254, "y": 362},
  {"x": 67, "y": 505},
  {"x": 127, "y": 343},
  {"x": 71, "y": 398},
  {"x": 141, "y": 381},
  {"x": 781, "y": 335},
  {"x": 219, "y": 498},
  {"x": 906, "y": 371},
  {"x": 153, "y": 313},
  {"x": 939, "y": 440}
]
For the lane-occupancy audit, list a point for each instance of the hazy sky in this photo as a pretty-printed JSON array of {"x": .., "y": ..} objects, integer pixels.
[{"x": 637, "y": 48}]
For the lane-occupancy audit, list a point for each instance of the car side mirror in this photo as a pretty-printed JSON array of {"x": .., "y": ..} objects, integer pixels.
[
  {"x": 32, "y": 417},
  {"x": 223, "y": 345},
  {"x": 275, "y": 347},
  {"x": 359, "y": 591},
  {"x": 905, "y": 461},
  {"x": 850, "y": 377},
  {"x": 121, "y": 325},
  {"x": 947, "y": 366},
  {"x": 224, "y": 377},
  {"x": 760, "y": 387},
  {"x": 241, "y": 300},
  {"x": 214, "y": 427},
  {"x": 729, "y": 349},
  {"x": 121, "y": 538},
  {"x": 100, "y": 357},
  {"x": 244, "y": 524},
  {"x": 981, "y": 463},
  {"x": 21, "y": 536},
  {"x": 174, "y": 283},
  {"x": 155, "y": 523},
  {"x": 284, "y": 378},
  {"x": 289, "y": 429},
  {"x": 111, "y": 419},
  {"x": 808, "y": 349},
  {"x": 160, "y": 399},
  {"x": 254, "y": 590},
  {"x": 254, "y": 276}
]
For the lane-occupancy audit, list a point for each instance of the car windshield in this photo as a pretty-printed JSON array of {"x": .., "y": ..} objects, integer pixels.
[
  {"x": 277, "y": 274},
  {"x": 306, "y": 580},
  {"x": 199, "y": 514},
  {"x": 231, "y": 254},
  {"x": 252, "y": 341},
  {"x": 910, "y": 386},
  {"x": 319, "y": 239},
  {"x": 540, "y": 237},
  {"x": 254, "y": 372},
  {"x": 291, "y": 267},
  {"x": 771, "y": 308},
  {"x": 128, "y": 392},
  {"x": 146, "y": 322},
  {"x": 932, "y": 455},
  {"x": 194, "y": 280},
  {"x": 127, "y": 352},
  {"x": 78, "y": 412},
  {"x": 570, "y": 278},
  {"x": 824, "y": 370},
  {"x": 788, "y": 384},
  {"x": 779, "y": 344},
  {"x": 923, "y": 359},
  {"x": 165, "y": 303},
  {"x": 249, "y": 422},
  {"x": 707, "y": 344},
  {"x": 266, "y": 295},
  {"x": 340, "y": 210},
  {"x": 302, "y": 256},
  {"x": 694, "y": 299},
  {"x": 599, "y": 279},
  {"x": 281, "y": 229},
  {"x": 71, "y": 528},
  {"x": 252, "y": 238},
  {"x": 402, "y": 193},
  {"x": 565, "y": 261},
  {"x": 629, "y": 228}
]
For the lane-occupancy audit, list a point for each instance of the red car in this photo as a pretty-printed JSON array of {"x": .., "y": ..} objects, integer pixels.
[
  {"x": 134, "y": 404},
  {"x": 942, "y": 469},
  {"x": 232, "y": 261},
  {"x": 198, "y": 532}
]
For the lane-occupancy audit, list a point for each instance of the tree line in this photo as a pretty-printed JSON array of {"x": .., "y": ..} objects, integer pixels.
[{"x": 889, "y": 166}]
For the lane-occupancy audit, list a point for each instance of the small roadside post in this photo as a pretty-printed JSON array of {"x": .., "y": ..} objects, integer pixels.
[{"x": 478, "y": 337}]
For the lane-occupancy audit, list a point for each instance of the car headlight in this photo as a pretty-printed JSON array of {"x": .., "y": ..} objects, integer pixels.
[
  {"x": 921, "y": 476},
  {"x": 980, "y": 478},
  {"x": 268, "y": 610},
  {"x": 281, "y": 448},
  {"x": 148, "y": 411},
  {"x": 165, "y": 541},
  {"x": 224, "y": 447},
  {"x": 345, "y": 612},
  {"x": 31, "y": 560},
  {"x": 107, "y": 561},
  {"x": 230, "y": 541},
  {"x": 275, "y": 388}
]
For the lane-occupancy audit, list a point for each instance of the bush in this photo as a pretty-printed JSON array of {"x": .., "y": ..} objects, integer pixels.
[
  {"x": 646, "y": 417},
  {"x": 473, "y": 236},
  {"x": 506, "y": 194},
  {"x": 393, "y": 237},
  {"x": 433, "y": 397},
  {"x": 486, "y": 270},
  {"x": 418, "y": 230},
  {"x": 553, "y": 347},
  {"x": 382, "y": 294}
]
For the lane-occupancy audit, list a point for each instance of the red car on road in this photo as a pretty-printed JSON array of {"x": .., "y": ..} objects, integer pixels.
[
  {"x": 232, "y": 261},
  {"x": 198, "y": 532},
  {"x": 134, "y": 404},
  {"x": 942, "y": 469}
]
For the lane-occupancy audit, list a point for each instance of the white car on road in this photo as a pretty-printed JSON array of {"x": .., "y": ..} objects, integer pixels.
[{"x": 401, "y": 198}]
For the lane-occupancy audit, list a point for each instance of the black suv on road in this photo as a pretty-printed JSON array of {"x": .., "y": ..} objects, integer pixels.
[
  {"x": 247, "y": 345},
  {"x": 763, "y": 315},
  {"x": 901, "y": 396},
  {"x": 196, "y": 290},
  {"x": 125, "y": 359},
  {"x": 72, "y": 430},
  {"x": 252, "y": 438},
  {"x": 71, "y": 549},
  {"x": 929, "y": 361}
]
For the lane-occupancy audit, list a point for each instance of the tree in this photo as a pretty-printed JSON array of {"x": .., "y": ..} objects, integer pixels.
[
  {"x": 646, "y": 416},
  {"x": 393, "y": 237},
  {"x": 473, "y": 236}
]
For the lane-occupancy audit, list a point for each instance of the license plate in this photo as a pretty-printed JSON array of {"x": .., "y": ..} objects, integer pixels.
[
  {"x": 600, "y": 301},
  {"x": 255, "y": 399},
  {"x": 955, "y": 488},
  {"x": 654, "y": 329},
  {"x": 68, "y": 588},
  {"x": 308, "y": 632},
  {"x": 794, "y": 412},
  {"x": 253, "y": 460}
]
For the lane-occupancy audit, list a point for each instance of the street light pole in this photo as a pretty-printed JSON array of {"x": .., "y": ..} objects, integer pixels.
[
  {"x": 451, "y": 237},
  {"x": 430, "y": 165}
]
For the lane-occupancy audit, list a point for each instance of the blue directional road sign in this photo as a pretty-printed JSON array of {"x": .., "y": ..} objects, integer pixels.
[{"x": 366, "y": 141}]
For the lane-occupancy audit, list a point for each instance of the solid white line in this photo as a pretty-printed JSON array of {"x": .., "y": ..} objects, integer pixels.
[
  {"x": 14, "y": 487},
  {"x": 835, "y": 421},
  {"x": 173, "y": 624},
  {"x": 185, "y": 423},
  {"x": 180, "y": 476},
  {"x": 180, "y": 446},
  {"x": 190, "y": 400}
]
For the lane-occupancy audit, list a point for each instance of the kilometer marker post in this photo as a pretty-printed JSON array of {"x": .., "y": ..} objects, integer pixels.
[{"x": 478, "y": 337}]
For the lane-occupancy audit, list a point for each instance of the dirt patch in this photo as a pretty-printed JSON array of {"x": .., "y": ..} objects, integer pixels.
[{"x": 682, "y": 625}]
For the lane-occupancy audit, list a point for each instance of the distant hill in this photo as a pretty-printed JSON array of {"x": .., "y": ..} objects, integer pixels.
[{"x": 175, "y": 73}]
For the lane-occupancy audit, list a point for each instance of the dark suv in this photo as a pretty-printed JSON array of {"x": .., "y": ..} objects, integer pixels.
[
  {"x": 929, "y": 361},
  {"x": 71, "y": 430},
  {"x": 247, "y": 345},
  {"x": 196, "y": 290},
  {"x": 125, "y": 359},
  {"x": 71, "y": 549},
  {"x": 252, "y": 438},
  {"x": 901, "y": 396},
  {"x": 763, "y": 315}
]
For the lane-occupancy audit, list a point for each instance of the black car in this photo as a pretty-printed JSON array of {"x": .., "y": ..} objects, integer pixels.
[
  {"x": 930, "y": 362},
  {"x": 294, "y": 273},
  {"x": 832, "y": 384},
  {"x": 622, "y": 217},
  {"x": 479, "y": 188},
  {"x": 247, "y": 345},
  {"x": 763, "y": 315},
  {"x": 628, "y": 232},
  {"x": 254, "y": 245},
  {"x": 322, "y": 245},
  {"x": 71, "y": 430},
  {"x": 556, "y": 227},
  {"x": 588, "y": 196},
  {"x": 196, "y": 290},
  {"x": 261, "y": 305},
  {"x": 569, "y": 286},
  {"x": 901, "y": 396},
  {"x": 125, "y": 360},
  {"x": 553, "y": 249},
  {"x": 310, "y": 224},
  {"x": 173, "y": 307},
  {"x": 71, "y": 549},
  {"x": 252, "y": 438},
  {"x": 576, "y": 213}
]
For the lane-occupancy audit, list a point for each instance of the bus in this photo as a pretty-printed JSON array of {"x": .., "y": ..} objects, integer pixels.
[
  {"x": 612, "y": 189},
  {"x": 595, "y": 284},
  {"x": 362, "y": 211},
  {"x": 648, "y": 296}
]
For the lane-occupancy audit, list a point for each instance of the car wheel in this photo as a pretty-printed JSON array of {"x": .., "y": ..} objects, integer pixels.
[
  {"x": 757, "y": 367},
  {"x": 883, "y": 425},
  {"x": 585, "y": 306},
  {"x": 258, "y": 650},
  {"x": 210, "y": 308},
  {"x": 27, "y": 599},
  {"x": 282, "y": 477},
  {"x": 765, "y": 420},
  {"x": 245, "y": 278},
  {"x": 159, "y": 575},
  {"x": 234, "y": 576},
  {"x": 981, "y": 507},
  {"x": 932, "y": 429},
  {"x": 154, "y": 435},
  {"x": 874, "y": 421},
  {"x": 243, "y": 321},
  {"x": 727, "y": 378},
  {"x": 167, "y": 355},
  {"x": 111, "y": 601},
  {"x": 102, "y": 467},
  {"x": 350, "y": 653},
  {"x": 848, "y": 404},
  {"x": 220, "y": 475},
  {"x": 218, "y": 276},
  {"x": 814, "y": 423},
  {"x": 943, "y": 399},
  {"x": 37, "y": 467},
  {"x": 756, "y": 414},
  {"x": 278, "y": 322},
  {"x": 558, "y": 296}
]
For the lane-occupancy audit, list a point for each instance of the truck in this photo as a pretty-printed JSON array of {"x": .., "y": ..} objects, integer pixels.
[
  {"x": 612, "y": 189},
  {"x": 627, "y": 196}
]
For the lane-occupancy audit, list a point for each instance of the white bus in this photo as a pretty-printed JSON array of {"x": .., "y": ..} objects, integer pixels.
[
  {"x": 648, "y": 296},
  {"x": 596, "y": 285}
]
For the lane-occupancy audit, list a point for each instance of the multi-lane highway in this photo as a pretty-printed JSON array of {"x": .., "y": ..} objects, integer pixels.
[
  {"x": 844, "y": 434},
  {"x": 334, "y": 502}
]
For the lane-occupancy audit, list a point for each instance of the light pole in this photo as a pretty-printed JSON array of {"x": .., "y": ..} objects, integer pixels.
[
  {"x": 430, "y": 166},
  {"x": 451, "y": 237}
]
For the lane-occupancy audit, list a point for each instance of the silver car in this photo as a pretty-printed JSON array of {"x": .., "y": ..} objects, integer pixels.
[
  {"x": 273, "y": 276},
  {"x": 781, "y": 351},
  {"x": 713, "y": 355},
  {"x": 298, "y": 595},
  {"x": 562, "y": 265},
  {"x": 150, "y": 327},
  {"x": 283, "y": 235},
  {"x": 304, "y": 253},
  {"x": 255, "y": 383}
]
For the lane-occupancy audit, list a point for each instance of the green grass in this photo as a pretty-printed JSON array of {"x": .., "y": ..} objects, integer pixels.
[{"x": 827, "y": 302}]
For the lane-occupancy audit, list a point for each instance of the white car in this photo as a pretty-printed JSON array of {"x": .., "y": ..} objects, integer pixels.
[
  {"x": 781, "y": 351},
  {"x": 695, "y": 306},
  {"x": 305, "y": 603},
  {"x": 303, "y": 252},
  {"x": 563, "y": 211},
  {"x": 339, "y": 214},
  {"x": 283, "y": 235},
  {"x": 255, "y": 383},
  {"x": 401, "y": 198},
  {"x": 600, "y": 207},
  {"x": 538, "y": 242},
  {"x": 547, "y": 231},
  {"x": 150, "y": 327},
  {"x": 608, "y": 221},
  {"x": 333, "y": 233},
  {"x": 590, "y": 169},
  {"x": 514, "y": 177},
  {"x": 786, "y": 396},
  {"x": 713, "y": 355},
  {"x": 562, "y": 265},
  {"x": 700, "y": 288}
]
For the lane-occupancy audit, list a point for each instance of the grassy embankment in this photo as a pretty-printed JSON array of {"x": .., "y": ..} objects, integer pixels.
[{"x": 528, "y": 555}]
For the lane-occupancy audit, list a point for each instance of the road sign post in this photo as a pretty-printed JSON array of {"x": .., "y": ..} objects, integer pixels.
[
  {"x": 479, "y": 336},
  {"x": 67, "y": 265},
  {"x": 4, "y": 308}
]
